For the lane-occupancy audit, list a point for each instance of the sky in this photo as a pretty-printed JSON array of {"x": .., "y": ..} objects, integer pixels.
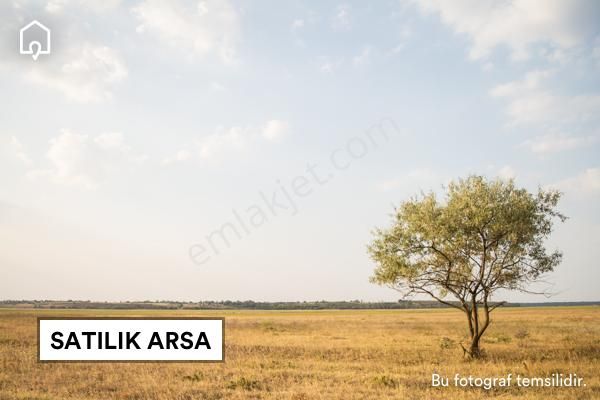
[{"x": 213, "y": 150}]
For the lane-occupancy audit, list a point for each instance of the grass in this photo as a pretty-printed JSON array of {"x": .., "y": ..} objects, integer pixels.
[{"x": 322, "y": 355}]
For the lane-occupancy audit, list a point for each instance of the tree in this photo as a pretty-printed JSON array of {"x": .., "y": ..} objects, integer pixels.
[{"x": 485, "y": 236}]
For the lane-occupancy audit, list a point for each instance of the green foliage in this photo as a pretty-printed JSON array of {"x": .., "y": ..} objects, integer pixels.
[{"x": 486, "y": 235}]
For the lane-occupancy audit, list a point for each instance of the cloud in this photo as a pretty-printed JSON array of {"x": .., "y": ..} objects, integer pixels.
[
  {"x": 545, "y": 107},
  {"x": 70, "y": 164},
  {"x": 55, "y": 6},
  {"x": 586, "y": 183},
  {"x": 19, "y": 152},
  {"x": 217, "y": 87},
  {"x": 212, "y": 27},
  {"x": 180, "y": 156},
  {"x": 81, "y": 68},
  {"x": 555, "y": 143},
  {"x": 329, "y": 66},
  {"x": 342, "y": 19},
  {"x": 88, "y": 74},
  {"x": 532, "y": 80},
  {"x": 406, "y": 33},
  {"x": 517, "y": 24},
  {"x": 225, "y": 141},
  {"x": 507, "y": 172},
  {"x": 275, "y": 129},
  {"x": 363, "y": 58},
  {"x": 529, "y": 102},
  {"x": 111, "y": 140},
  {"x": 78, "y": 160},
  {"x": 561, "y": 33},
  {"x": 58, "y": 6},
  {"x": 297, "y": 24}
]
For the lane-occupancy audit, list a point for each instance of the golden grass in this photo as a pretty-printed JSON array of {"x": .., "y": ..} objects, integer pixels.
[{"x": 322, "y": 355}]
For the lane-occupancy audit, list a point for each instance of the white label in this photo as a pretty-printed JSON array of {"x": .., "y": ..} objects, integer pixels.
[{"x": 131, "y": 339}]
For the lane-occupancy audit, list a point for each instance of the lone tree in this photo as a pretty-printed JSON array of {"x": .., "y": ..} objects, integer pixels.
[{"x": 485, "y": 236}]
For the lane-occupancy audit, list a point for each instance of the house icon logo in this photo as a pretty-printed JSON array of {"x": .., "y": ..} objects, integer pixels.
[{"x": 34, "y": 39}]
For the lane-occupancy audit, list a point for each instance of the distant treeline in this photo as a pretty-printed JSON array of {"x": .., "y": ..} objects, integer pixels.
[{"x": 253, "y": 305}]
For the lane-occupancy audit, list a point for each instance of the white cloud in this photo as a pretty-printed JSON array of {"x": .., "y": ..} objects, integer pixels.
[
  {"x": 587, "y": 182},
  {"x": 203, "y": 8},
  {"x": 297, "y": 24},
  {"x": 82, "y": 69},
  {"x": 532, "y": 80},
  {"x": 545, "y": 107},
  {"x": 19, "y": 151},
  {"x": 57, "y": 6},
  {"x": 529, "y": 102},
  {"x": 507, "y": 172},
  {"x": 223, "y": 139},
  {"x": 560, "y": 33},
  {"x": 329, "y": 66},
  {"x": 406, "y": 33},
  {"x": 275, "y": 129},
  {"x": 88, "y": 73},
  {"x": 78, "y": 160},
  {"x": 71, "y": 165},
  {"x": 111, "y": 140},
  {"x": 554, "y": 143},
  {"x": 212, "y": 27},
  {"x": 396, "y": 49},
  {"x": 363, "y": 58},
  {"x": 180, "y": 156},
  {"x": 342, "y": 19},
  {"x": 326, "y": 67},
  {"x": 517, "y": 24},
  {"x": 217, "y": 87}
]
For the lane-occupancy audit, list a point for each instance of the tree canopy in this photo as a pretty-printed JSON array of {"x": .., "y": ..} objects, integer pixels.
[{"x": 484, "y": 236}]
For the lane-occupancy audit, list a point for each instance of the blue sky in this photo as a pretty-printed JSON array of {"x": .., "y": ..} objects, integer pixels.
[{"x": 153, "y": 125}]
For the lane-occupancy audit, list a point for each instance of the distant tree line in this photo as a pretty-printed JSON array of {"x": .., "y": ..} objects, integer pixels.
[{"x": 249, "y": 305}]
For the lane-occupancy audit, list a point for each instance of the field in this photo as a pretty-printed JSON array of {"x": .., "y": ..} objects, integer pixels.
[{"x": 323, "y": 355}]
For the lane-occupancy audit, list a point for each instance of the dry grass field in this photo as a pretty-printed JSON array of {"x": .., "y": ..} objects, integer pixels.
[{"x": 322, "y": 355}]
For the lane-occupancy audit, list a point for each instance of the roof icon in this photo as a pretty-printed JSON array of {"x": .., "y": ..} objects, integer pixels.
[{"x": 38, "y": 43}]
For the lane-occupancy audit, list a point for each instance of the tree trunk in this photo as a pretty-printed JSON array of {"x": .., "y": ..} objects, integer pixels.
[
  {"x": 477, "y": 326},
  {"x": 474, "y": 350}
]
